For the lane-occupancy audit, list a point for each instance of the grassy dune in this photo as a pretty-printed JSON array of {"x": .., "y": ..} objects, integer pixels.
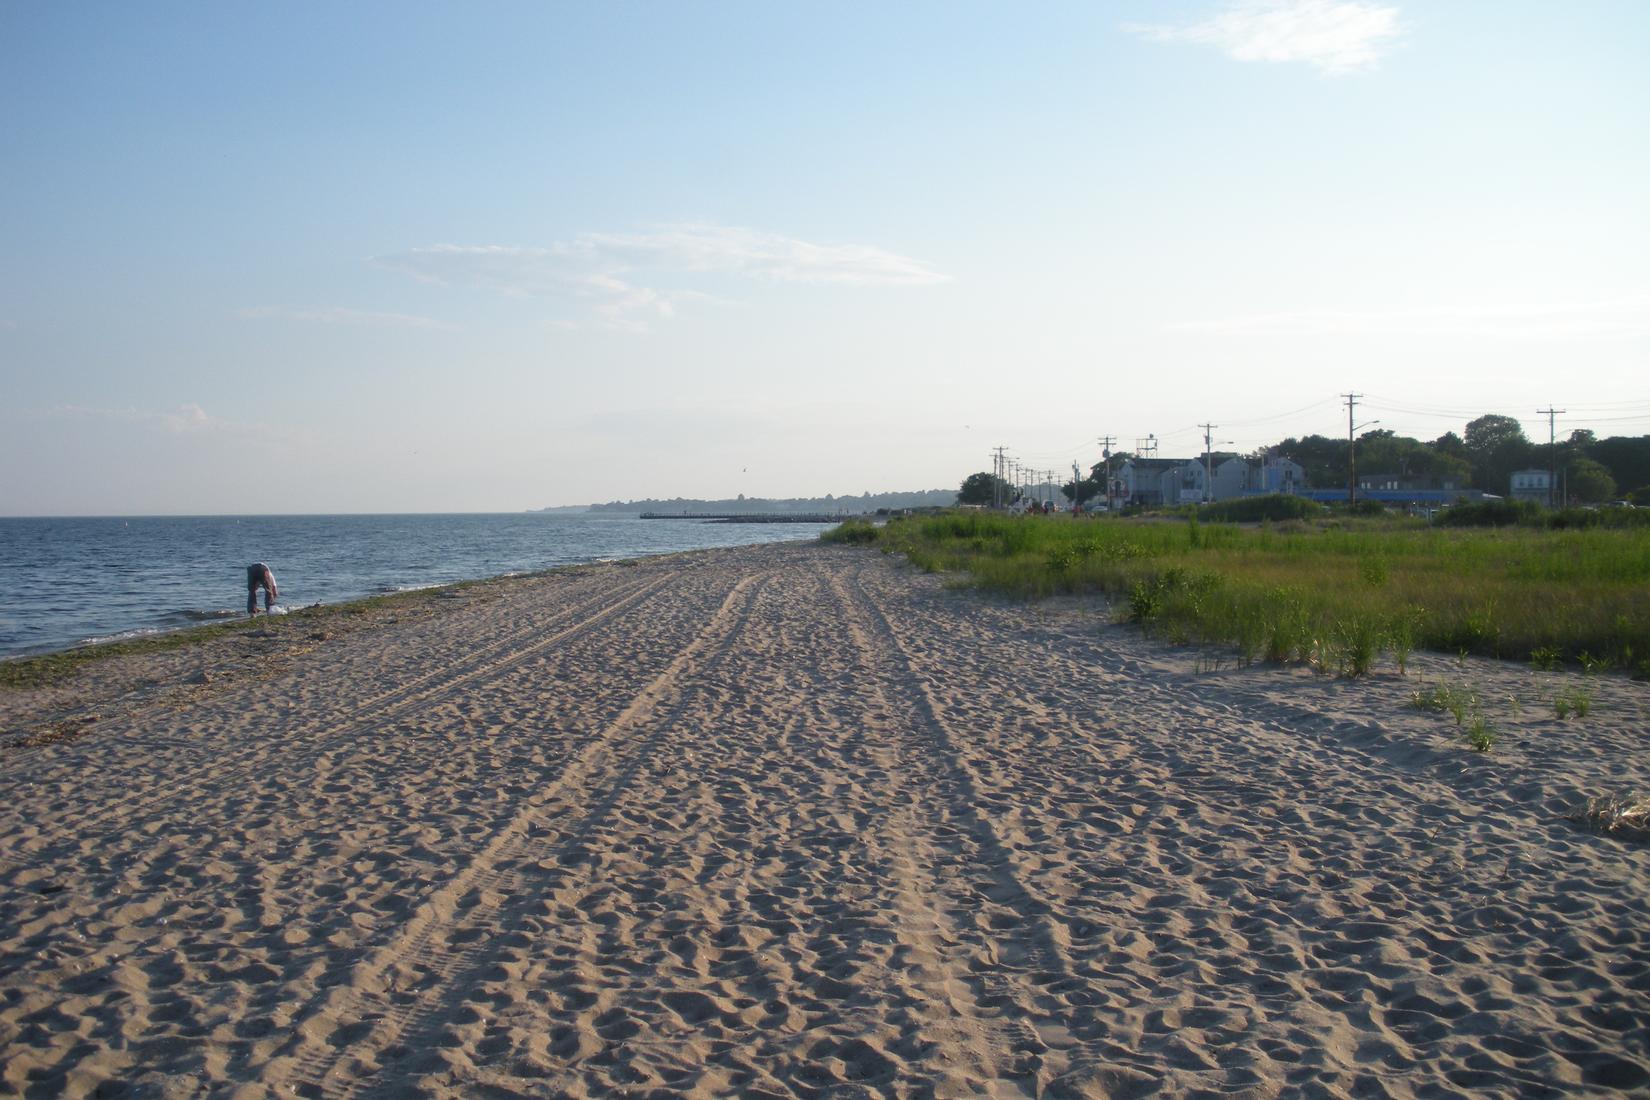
[{"x": 1337, "y": 593}]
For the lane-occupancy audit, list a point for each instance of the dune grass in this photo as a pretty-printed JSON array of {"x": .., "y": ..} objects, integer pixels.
[{"x": 1336, "y": 593}]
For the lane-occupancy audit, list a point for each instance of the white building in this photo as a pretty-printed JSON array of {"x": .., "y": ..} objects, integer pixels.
[{"x": 1532, "y": 485}]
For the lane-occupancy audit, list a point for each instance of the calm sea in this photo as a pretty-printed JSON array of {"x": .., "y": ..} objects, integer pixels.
[{"x": 67, "y": 581}]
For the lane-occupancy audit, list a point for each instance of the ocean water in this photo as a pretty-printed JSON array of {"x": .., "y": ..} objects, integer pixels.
[{"x": 68, "y": 581}]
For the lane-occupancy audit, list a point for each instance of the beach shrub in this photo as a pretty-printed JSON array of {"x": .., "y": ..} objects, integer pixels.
[
  {"x": 1355, "y": 642},
  {"x": 1604, "y": 518},
  {"x": 1145, "y": 600},
  {"x": 1489, "y": 513},
  {"x": 1274, "y": 506},
  {"x": 1364, "y": 508},
  {"x": 852, "y": 532}
]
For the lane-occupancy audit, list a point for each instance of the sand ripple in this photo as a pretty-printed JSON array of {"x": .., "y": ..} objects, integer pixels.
[{"x": 795, "y": 821}]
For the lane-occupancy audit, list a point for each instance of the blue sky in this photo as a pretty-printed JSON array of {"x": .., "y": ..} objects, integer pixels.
[{"x": 432, "y": 257}]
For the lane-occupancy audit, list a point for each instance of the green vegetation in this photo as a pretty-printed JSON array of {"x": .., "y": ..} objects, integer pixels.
[
  {"x": 1484, "y": 456},
  {"x": 1336, "y": 593},
  {"x": 50, "y": 668},
  {"x": 1458, "y": 700},
  {"x": 1514, "y": 513},
  {"x": 853, "y": 531},
  {"x": 983, "y": 488},
  {"x": 1574, "y": 700},
  {"x": 1464, "y": 704},
  {"x": 1275, "y": 506}
]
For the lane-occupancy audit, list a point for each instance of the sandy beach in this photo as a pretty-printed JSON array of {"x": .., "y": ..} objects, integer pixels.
[{"x": 797, "y": 820}]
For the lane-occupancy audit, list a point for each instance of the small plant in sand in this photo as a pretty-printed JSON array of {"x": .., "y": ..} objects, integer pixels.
[
  {"x": 1574, "y": 700},
  {"x": 1458, "y": 700},
  {"x": 1354, "y": 644},
  {"x": 1546, "y": 658},
  {"x": 1401, "y": 637},
  {"x": 1480, "y": 734},
  {"x": 1622, "y": 815},
  {"x": 1592, "y": 666}
]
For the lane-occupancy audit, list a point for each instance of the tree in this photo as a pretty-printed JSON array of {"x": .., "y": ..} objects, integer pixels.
[
  {"x": 1323, "y": 458},
  {"x": 1382, "y": 452},
  {"x": 984, "y": 488},
  {"x": 1082, "y": 491},
  {"x": 1626, "y": 457},
  {"x": 1496, "y": 446},
  {"x": 1450, "y": 444},
  {"x": 1589, "y": 482}
]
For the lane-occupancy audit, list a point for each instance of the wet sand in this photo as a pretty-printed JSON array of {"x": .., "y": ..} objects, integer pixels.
[{"x": 798, "y": 821}]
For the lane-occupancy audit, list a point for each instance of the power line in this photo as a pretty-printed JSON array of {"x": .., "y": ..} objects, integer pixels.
[{"x": 1284, "y": 415}]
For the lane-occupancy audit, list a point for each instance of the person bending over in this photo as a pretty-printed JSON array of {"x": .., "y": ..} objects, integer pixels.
[{"x": 257, "y": 576}]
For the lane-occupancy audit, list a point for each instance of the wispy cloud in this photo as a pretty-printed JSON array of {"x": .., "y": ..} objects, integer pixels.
[
  {"x": 338, "y": 315},
  {"x": 185, "y": 419},
  {"x": 1624, "y": 316},
  {"x": 1336, "y": 36},
  {"x": 632, "y": 278}
]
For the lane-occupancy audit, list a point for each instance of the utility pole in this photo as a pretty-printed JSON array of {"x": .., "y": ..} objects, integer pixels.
[
  {"x": 1208, "y": 462},
  {"x": 999, "y": 467},
  {"x": 1351, "y": 445},
  {"x": 1552, "y": 449},
  {"x": 1105, "y": 455}
]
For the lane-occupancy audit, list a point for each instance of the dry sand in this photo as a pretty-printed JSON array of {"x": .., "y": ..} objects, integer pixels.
[{"x": 798, "y": 821}]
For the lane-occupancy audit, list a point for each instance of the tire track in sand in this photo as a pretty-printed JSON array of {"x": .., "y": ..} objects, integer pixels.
[
  {"x": 169, "y": 897},
  {"x": 735, "y": 927},
  {"x": 499, "y": 873},
  {"x": 948, "y": 987},
  {"x": 188, "y": 742},
  {"x": 119, "y": 815},
  {"x": 1032, "y": 968}
]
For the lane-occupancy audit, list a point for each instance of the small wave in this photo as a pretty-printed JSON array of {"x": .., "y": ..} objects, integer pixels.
[
  {"x": 205, "y": 616},
  {"x": 391, "y": 588},
  {"x": 122, "y": 636}
]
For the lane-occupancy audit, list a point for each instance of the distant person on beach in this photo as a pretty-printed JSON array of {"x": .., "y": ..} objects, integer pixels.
[{"x": 256, "y": 576}]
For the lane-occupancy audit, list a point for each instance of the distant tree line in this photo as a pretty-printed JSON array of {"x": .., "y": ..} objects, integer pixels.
[
  {"x": 1484, "y": 456},
  {"x": 865, "y": 502}
]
